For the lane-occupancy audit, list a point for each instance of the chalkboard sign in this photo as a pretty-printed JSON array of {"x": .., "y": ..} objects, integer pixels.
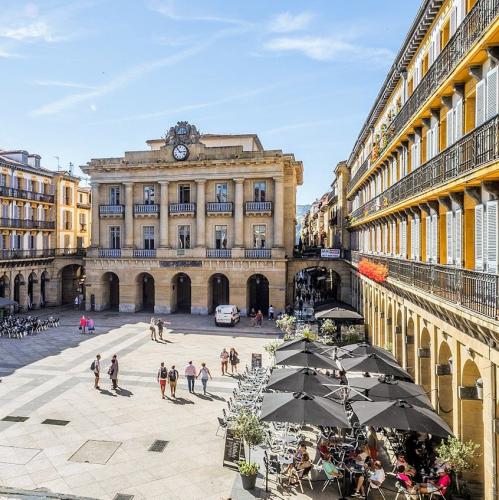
[
  {"x": 233, "y": 450},
  {"x": 256, "y": 360}
]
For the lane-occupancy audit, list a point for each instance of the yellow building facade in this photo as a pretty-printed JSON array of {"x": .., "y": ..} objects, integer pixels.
[
  {"x": 423, "y": 201},
  {"x": 196, "y": 221}
]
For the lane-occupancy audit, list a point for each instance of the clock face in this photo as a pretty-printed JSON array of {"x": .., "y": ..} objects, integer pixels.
[{"x": 180, "y": 152}]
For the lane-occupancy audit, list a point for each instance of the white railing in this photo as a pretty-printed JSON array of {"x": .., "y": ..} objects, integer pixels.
[
  {"x": 109, "y": 252},
  {"x": 258, "y": 253},
  {"x": 218, "y": 253},
  {"x": 111, "y": 209},
  {"x": 143, "y": 253},
  {"x": 258, "y": 206},
  {"x": 146, "y": 209},
  {"x": 177, "y": 208},
  {"x": 219, "y": 206}
]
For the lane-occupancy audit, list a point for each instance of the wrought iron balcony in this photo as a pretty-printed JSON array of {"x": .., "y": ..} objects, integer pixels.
[
  {"x": 258, "y": 207},
  {"x": 26, "y": 195},
  {"x": 474, "y": 25},
  {"x": 218, "y": 253},
  {"x": 27, "y": 254},
  {"x": 360, "y": 172},
  {"x": 477, "y": 148},
  {"x": 182, "y": 208},
  {"x": 81, "y": 204},
  {"x": 219, "y": 208},
  {"x": 143, "y": 210},
  {"x": 473, "y": 290},
  {"x": 112, "y": 210},
  {"x": 26, "y": 223},
  {"x": 70, "y": 252},
  {"x": 110, "y": 252},
  {"x": 142, "y": 253},
  {"x": 258, "y": 253}
]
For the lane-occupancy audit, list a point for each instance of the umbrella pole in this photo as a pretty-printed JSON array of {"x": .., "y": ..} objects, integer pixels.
[{"x": 340, "y": 387}]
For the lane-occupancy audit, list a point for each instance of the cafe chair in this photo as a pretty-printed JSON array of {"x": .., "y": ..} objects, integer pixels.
[
  {"x": 222, "y": 424},
  {"x": 406, "y": 494},
  {"x": 375, "y": 487},
  {"x": 301, "y": 475},
  {"x": 331, "y": 478}
]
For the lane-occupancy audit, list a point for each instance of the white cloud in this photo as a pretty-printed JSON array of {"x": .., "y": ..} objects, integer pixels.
[
  {"x": 59, "y": 83},
  {"x": 93, "y": 107},
  {"x": 287, "y": 22},
  {"x": 327, "y": 48},
  {"x": 5, "y": 54},
  {"x": 30, "y": 32}
]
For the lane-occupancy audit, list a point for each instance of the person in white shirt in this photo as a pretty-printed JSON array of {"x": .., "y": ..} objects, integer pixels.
[
  {"x": 96, "y": 370},
  {"x": 376, "y": 479}
]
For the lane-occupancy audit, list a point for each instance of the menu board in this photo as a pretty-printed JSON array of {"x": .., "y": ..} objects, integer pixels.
[
  {"x": 233, "y": 450},
  {"x": 256, "y": 360}
]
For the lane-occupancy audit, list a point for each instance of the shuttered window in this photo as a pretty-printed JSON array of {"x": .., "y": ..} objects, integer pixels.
[
  {"x": 394, "y": 238},
  {"x": 403, "y": 239},
  {"x": 492, "y": 236},
  {"x": 479, "y": 237},
  {"x": 436, "y": 140},
  {"x": 480, "y": 103},
  {"x": 458, "y": 120},
  {"x": 434, "y": 238},
  {"x": 449, "y": 224},
  {"x": 450, "y": 128},
  {"x": 429, "y": 145},
  {"x": 428, "y": 238},
  {"x": 385, "y": 239},
  {"x": 458, "y": 238},
  {"x": 492, "y": 92}
]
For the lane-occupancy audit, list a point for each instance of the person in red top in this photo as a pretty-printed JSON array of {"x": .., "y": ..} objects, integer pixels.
[
  {"x": 405, "y": 479},
  {"x": 83, "y": 324},
  {"x": 441, "y": 484}
]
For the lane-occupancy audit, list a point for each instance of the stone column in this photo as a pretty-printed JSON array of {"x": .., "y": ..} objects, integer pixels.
[
  {"x": 128, "y": 214},
  {"x": 279, "y": 211},
  {"x": 239, "y": 214},
  {"x": 95, "y": 234},
  {"x": 200, "y": 213},
  {"x": 163, "y": 214}
]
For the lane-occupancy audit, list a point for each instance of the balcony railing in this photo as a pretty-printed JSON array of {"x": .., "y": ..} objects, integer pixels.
[
  {"x": 182, "y": 208},
  {"x": 258, "y": 253},
  {"x": 26, "y": 195},
  {"x": 146, "y": 209},
  {"x": 469, "y": 31},
  {"x": 70, "y": 252},
  {"x": 109, "y": 252},
  {"x": 218, "y": 253},
  {"x": 81, "y": 204},
  {"x": 26, "y": 223},
  {"x": 477, "y": 148},
  {"x": 258, "y": 206},
  {"x": 27, "y": 254},
  {"x": 473, "y": 290},
  {"x": 219, "y": 207},
  {"x": 142, "y": 253},
  {"x": 360, "y": 172},
  {"x": 111, "y": 209}
]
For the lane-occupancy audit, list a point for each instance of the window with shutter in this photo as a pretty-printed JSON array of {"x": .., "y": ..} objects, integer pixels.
[
  {"x": 404, "y": 239},
  {"x": 385, "y": 239},
  {"x": 428, "y": 238},
  {"x": 458, "y": 237},
  {"x": 492, "y": 236},
  {"x": 412, "y": 230},
  {"x": 479, "y": 237},
  {"x": 450, "y": 127},
  {"x": 429, "y": 145},
  {"x": 436, "y": 140},
  {"x": 458, "y": 120},
  {"x": 491, "y": 104},
  {"x": 450, "y": 241},
  {"x": 394, "y": 238},
  {"x": 434, "y": 238},
  {"x": 453, "y": 20},
  {"x": 480, "y": 103}
]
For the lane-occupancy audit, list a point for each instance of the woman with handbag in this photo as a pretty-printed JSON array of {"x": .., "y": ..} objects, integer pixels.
[{"x": 234, "y": 359}]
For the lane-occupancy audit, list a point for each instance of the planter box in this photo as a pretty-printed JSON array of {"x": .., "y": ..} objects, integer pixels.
[
  {"x": 469, "y": 393},
  {"x": 424, "y": 352},
  {"x": 443, "y": 370}
]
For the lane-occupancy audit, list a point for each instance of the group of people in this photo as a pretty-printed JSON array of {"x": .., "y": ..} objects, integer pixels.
[
  {"x": 156, "y": 327},
  {"x": 300, "y": 465},
  {"x": 86, "y": 325},
  {"x": 112, "y": 371},
  {"x": 227, "y": 357},
  {"x": 256, "y": 317},
  {"x": 171, "y": 377}
]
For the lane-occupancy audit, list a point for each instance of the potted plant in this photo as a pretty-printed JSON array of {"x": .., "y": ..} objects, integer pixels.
[
  {"x": 461, "y": 457},
  {"x": 249, "y": 429},
  {"x": 271, "y": 348},
  {"x": 328, "y": 327},
  {"x": 286, "y": 324},
  {"x": 308, "y": 334}
]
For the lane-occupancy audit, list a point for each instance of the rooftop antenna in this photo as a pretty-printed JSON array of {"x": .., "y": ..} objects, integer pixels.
[
  {"x": 71, "y": 168},
  {"x": 58, "y": 163}
]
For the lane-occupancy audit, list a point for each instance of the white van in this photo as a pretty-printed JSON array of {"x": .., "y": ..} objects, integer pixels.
[{"x": 227, "y": 315}]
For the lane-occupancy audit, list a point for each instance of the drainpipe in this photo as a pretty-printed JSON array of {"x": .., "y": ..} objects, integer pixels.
[{"x": 493, "y": 423}]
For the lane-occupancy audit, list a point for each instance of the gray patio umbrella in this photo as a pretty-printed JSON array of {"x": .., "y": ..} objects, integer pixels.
[
  {"x": 380, "y": 389},
  {"x": 301, "y": 380},
  {"x": 400, "y": 415},
  {"x": 364, "y": 349},
  {"x": 300, "y": 344},
  {"x": 302, "y": 408},
  {"x": 372, "y": 363},
  {"x": 305, "y": 357}
]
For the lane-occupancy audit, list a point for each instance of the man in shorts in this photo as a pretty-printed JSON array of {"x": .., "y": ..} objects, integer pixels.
[
  {"x": 162, "y": 377},
  {"x": 224, "y": 360}
]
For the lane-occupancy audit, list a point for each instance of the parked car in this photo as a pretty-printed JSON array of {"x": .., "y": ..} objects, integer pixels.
[{"x": 227, "y": 315}]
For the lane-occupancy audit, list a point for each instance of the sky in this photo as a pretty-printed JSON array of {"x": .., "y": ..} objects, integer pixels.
[{"x": 86, "y": 79}]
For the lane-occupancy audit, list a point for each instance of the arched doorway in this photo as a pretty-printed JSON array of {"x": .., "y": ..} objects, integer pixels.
[
  {"x": 111, "y": 285},
  {"x": 398, "y": 338},
  {"x": 389, "y": 330},
  {"x": 32, "y": 281},
  {"x": 43, "y": 288},
  {"x": 4, "y": 286},
  {"x": 181, "y": 294},
  {"x": 258, "y": 293},
  {"x": 425, "y": 361},
  {"x": 382, "y": 333},
  {"x": 72, "y": 283},
  {"x": 444, "y": 383},
  {"x": 218, "y": 291},
  {"x": 146, "y": 285},
  {"x": 18, "y": 283},
  {"x": 472, "y": 407},
  {"x": 409, "y": 346}
]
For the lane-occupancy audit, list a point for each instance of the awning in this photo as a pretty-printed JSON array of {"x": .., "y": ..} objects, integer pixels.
[
  {"x": 4, "y": 302},
  {"x": 338, "y": 313}
]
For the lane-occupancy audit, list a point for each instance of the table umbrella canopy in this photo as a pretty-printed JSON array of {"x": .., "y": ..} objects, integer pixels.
[
  {"x": 372, "y": 363},
  {"x": 364, "y": 349},
  {"x": 302, "y": 380},
  {"x": 301, "y": 344},
  {"x": 380, "y": 389},
  {"x": 305, "y": 357},
  {"x": 400, "y": 415},
  {"x": 302, "y": 408}
]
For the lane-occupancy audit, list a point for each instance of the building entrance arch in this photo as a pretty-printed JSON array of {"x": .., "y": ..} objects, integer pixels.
[
  {"x": 72, "y": 284},
  {"x": 4, "y": 286},
  {"x": 147, "y": 290},
  {"x": 444, "y": 384},
  {"x": 258, "y": 293},
  {"x": 111, "y": 285},
  {"x": 218, "y": 291},
  {"x": 181, "y": 294},
  {"x": 424, "y": 360}
]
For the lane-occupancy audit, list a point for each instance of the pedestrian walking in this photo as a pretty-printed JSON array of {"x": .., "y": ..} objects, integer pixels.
[
  {"x": 160, "y": 325},
  {"x": 190, "y": 373},
  {"x": 224, "y": 360},
  {"x": 172, "y": 380},
  {"x": 90, "y": 325},
  {"x": 271, "y": 312},
  {"x": 252, "y": 316},
  {"x": 233, "y": 359},
  {"x": 152, "y": 328},
  {"x": 113, "y": 371},
  {"x": 95, "y": 367},
  {"x": 259, "y": 318},
  {"x": 162, "y": 377},
  {"x": 204, "y": 373},
  {"x": 83, "y": 324},
  {"x": 77, "y": 302}
]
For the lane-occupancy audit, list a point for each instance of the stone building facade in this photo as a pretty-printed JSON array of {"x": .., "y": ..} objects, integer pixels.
[{"x": 196, "y": 221}]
